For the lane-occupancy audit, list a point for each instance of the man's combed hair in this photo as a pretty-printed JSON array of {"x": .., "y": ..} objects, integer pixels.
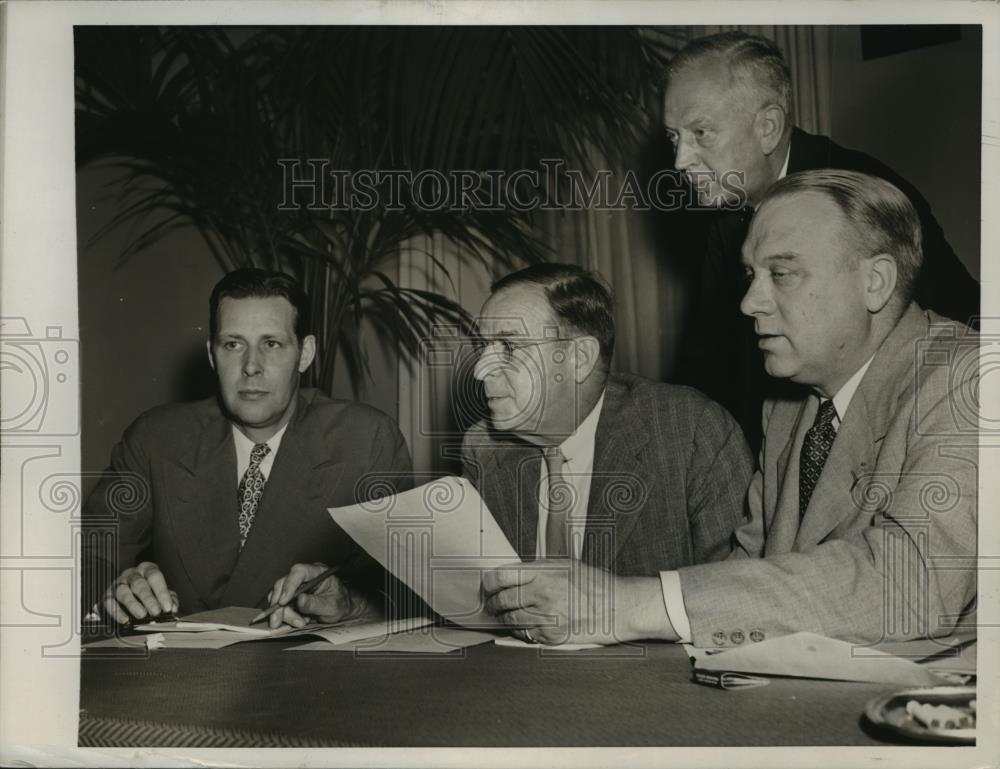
[
  {"x": 253, "y": 283},
  {"x": 580, "y": 299},
  {"x": 755, "y": 65},
  {"x": 880, "y": 213}
]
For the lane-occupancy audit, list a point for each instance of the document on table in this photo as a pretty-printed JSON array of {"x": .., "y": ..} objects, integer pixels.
[
  {"x": 808, "y": 655},
  {"x": 437, "y": 538},
  {"x": 424, "y": 640}
]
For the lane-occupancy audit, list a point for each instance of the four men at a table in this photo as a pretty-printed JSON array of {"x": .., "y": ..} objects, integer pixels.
[{"x": 634, "y": 504}]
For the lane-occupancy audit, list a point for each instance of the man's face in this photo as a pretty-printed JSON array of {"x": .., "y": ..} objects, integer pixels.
[
  {"x": 711, "y": 126},
  {"x": 808, "y": 305},
  {"x": 532, "y": 393},
  {"x": 258, "y": 359}
]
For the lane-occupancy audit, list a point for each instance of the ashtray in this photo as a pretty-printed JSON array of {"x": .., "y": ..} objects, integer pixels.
[{"x": 915, "y": 715}]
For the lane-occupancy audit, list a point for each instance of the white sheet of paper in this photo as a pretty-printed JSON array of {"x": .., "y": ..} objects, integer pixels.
[
  {"x": 437, "y": 538},
  {"x": 517, "y": 643},
  {"x": 808, "y": 655},
  {"x": 343, "y": 634},
  {"x": 436, "y": 640}
]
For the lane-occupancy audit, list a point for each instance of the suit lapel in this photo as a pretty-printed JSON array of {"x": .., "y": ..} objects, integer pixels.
[
  {"x": 511, "y": 480},
  {"x": 864, "y": 426},
  {"x": 832, "y": 500},
  {"x": 784, "y": 526},
  {"x": 620, "y": 483},
  {"x": 204, "y": 513}
]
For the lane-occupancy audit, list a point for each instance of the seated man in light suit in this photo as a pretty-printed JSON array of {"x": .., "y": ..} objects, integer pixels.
[
  {"x": 206, "y": 504},
  {"x": 864, "y": 508},
  {"x": 579, "y": 466}
]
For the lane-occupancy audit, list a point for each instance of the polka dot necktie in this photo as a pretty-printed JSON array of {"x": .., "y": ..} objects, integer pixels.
[
  {"x": 815, "y": 449},
  {"x": 560, "y": 503},
  {"x": 251, "y": 489}
]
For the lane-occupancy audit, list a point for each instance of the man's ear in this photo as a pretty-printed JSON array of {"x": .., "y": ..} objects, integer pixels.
[
  {"x": 208, "y": 349},
  {"x": 308, "y": 352},
  {"x": 880, "y": 283},
  {"x": 769, "y": 125},
  {"x": 587, "y": 354}
]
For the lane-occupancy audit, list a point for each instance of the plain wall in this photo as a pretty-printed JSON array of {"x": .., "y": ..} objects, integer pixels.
[{"x": 919, "y": 112}]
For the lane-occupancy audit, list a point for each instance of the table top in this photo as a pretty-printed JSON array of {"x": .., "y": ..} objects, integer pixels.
[{"x": 263, "y": 693}]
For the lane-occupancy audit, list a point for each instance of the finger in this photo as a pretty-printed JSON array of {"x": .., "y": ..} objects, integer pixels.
[
  {"x": 140, "y": 589},
  {"x": 299, "y": 573},
  {"x": 158, "y": 584},
  {"x": 272, "y": 597},
  {"x": 114, "y": 610},
  {"x": 506, "y": 600},
  {"x": 330, "y": 607},
  {"x": 123, "y": 594},
  {"x": 506, "y": 576},
  {"x": 287, "y": 615},
  {"x": 175, "y": 604}
]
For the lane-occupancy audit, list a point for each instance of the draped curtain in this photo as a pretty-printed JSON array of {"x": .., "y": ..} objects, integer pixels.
[{"x": 622, "y": 245}]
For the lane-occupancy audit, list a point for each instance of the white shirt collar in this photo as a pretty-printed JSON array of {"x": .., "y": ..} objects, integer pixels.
[
  {"x": 845, "y": 394},
  {"x": 578, "y": 448},
  {"x": 784, "y": 168},
  {"x": 244, "y": 447}
]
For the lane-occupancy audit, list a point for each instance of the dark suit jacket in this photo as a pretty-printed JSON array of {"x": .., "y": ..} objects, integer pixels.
[
  {"x": 671, "y": 471},
  {"x": 720, "y": 355},
  {"x": 170, "y": 496},
  {"x": 887, "y": 547}
]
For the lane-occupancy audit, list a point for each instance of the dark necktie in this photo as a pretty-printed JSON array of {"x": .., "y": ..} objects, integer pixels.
[
  {"x": 561, "y": 496},
  {"x": 251, "y": 489},
  {"x": 815, "y": 449}
]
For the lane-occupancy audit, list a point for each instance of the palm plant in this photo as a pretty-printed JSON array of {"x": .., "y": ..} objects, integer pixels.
[{"x": 197, "y": 120}]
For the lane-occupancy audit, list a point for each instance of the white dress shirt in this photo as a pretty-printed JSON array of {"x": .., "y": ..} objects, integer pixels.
[
  {"x": 670, "y": 581},
  {"x": 244, "y": 447},
  {"x": 578, "y": 449}
]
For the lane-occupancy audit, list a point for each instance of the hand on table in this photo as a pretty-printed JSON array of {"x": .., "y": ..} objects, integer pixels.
[
  {"x": 139, "y": 592},
  {"x": 330, "y": 601},
  {"x": 568, "y": 601}
]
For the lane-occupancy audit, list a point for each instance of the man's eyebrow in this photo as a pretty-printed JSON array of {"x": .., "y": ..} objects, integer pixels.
[{"x": 782, "y": 256}]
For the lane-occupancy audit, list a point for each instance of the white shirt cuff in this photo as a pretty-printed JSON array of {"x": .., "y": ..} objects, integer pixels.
[{"x": 673, "y": 602}]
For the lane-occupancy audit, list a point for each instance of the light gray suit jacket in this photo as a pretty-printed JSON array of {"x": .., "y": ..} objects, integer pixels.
[{"x": 887, "y": 546}]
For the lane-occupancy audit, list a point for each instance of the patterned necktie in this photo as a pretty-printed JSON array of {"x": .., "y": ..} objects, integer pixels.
[
  {"x": 815, "y": 449},
  {"x": 251, "y": 489},
  {"x": 561, "y": 496}
]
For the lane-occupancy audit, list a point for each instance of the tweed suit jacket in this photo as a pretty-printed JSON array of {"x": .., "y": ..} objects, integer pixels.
[
  {"x": 671, "y": 470},
  {"x": 170, "y": 496},
  {"x": 886, "y": 548}
]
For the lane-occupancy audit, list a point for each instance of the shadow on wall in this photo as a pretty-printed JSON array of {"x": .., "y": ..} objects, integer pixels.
[{"x": 194, "y": 378}]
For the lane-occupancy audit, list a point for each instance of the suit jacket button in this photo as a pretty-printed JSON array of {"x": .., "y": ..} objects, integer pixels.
[
  {"x": 736, "y": 637},
  {"x": 719, "y": 637},
  {"x": 756, "y": 636}
]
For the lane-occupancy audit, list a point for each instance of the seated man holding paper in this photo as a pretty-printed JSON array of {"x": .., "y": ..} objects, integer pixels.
[
  {"x": 863, "y": 512},
  {"x": 628, "y": 476},
  {"x": 206, "y": 504},
  {"x": 609, "y": 471}
]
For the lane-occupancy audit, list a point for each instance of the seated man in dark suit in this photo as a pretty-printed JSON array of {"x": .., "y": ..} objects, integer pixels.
[
  {"x": 206, "y": 504},
  {"x": 727, "y": 110},
  {"x": 622, "y": 474},
  {"x": 863, "y": 512}
]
